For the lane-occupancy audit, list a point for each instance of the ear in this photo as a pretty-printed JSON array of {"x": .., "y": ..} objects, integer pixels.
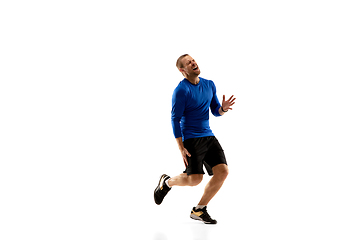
[{"x": 182, "y": 72}]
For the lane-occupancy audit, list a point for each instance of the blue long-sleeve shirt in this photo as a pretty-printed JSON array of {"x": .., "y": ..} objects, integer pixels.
[{"x": 190, "y": 109}]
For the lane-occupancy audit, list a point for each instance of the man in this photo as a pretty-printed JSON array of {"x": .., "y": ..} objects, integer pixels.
[{"x": 198, "y": 146}]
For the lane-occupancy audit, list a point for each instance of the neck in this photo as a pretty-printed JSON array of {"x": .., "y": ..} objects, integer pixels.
[{"x": 194, "y": 80}]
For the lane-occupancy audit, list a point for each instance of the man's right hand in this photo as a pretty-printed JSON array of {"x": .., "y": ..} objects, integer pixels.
[
  {"x": 184, "y": 153},
  {"x": 183, "y": 150}
]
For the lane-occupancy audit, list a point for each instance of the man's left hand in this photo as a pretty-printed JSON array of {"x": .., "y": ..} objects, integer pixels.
[{"x": 226, "y": 105}]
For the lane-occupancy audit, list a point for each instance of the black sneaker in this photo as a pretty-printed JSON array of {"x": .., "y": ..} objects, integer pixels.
[
  {"x": 202, "y": 215},
  {"x": 161, "y": 190}
]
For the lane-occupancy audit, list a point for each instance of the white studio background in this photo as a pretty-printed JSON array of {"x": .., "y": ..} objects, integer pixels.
[{"x": 85, "y": 132}]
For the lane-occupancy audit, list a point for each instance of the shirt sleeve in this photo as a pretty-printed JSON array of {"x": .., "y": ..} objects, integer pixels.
[
  {"x": 215, "y": 104},
  {"x": 178, "y": 107}
]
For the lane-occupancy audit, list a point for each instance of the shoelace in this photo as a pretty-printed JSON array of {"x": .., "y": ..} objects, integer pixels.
[
  {"x": 164, "y": 191},
  {"x": 205, "y": 213}
]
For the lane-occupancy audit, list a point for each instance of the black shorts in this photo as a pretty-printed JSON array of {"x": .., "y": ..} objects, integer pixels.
[{"x": 204, "y": 151}]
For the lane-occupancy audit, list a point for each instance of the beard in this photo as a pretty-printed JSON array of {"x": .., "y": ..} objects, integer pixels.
[{"x": 196, "y": 72}]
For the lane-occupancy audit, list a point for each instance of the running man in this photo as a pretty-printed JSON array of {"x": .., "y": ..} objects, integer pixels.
[{"x": 198, "y": 146}]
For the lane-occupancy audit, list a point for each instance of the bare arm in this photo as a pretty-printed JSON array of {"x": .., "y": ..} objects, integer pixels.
[{"x": 221, "y": 112}]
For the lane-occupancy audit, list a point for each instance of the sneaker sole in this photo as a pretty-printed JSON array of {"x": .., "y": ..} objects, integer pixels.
[
  {"x": 193, "y": 216},
  {"x": 158, "y": 186},
  {"x": 161, "y": 177}
]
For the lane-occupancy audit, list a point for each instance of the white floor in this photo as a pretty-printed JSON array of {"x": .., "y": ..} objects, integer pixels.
[
  {"x": 98, "y": 207},
  {"x": 253, "y": 212}
]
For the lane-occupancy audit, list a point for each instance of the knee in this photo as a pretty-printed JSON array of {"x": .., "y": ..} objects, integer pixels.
[
  {"x": 195, "y": 179},
  {"x": 223, "y": 175},
  {"x": 226, "y": 173},
  {"x": 222, "y": 172}
]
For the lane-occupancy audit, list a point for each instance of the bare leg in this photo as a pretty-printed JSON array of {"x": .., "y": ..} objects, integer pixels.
[
  {"x": 220, "y": 173},
  {"x": 185, "y": 180}
]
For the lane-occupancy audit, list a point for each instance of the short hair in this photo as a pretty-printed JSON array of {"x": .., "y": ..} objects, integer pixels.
[{"x": 179, "y": 63}]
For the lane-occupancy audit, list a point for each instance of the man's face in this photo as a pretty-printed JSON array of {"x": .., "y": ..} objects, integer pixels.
[{"x": 190, "y": 67}]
